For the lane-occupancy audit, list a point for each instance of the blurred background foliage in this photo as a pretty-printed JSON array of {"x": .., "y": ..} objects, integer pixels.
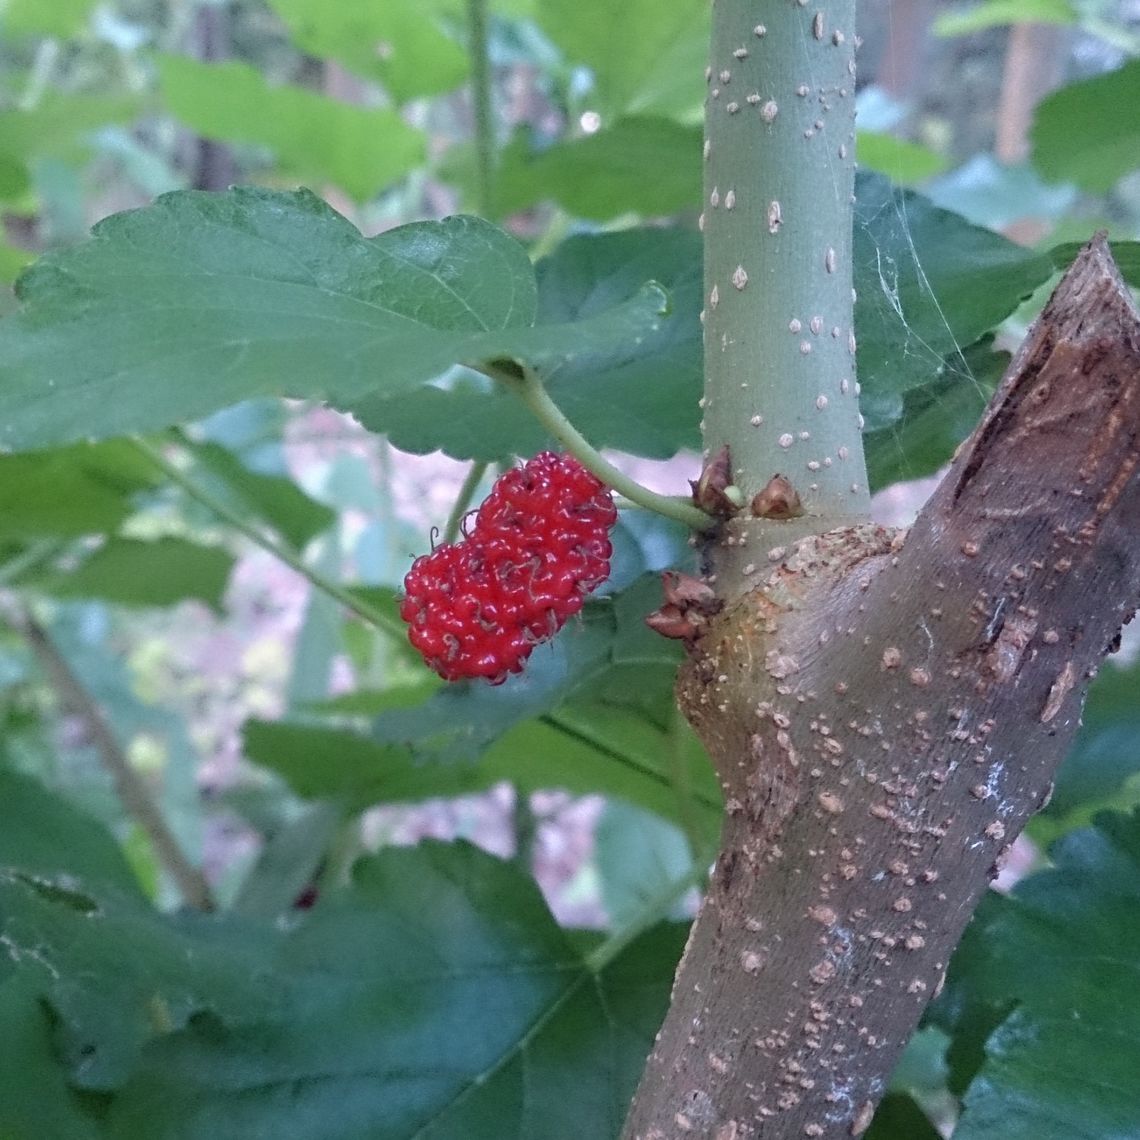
[{"x": 198, "y": 642}]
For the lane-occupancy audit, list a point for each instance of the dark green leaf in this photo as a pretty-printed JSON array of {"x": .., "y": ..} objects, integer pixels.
[
  {"x": 644, "y": 56},
  {"x": 642, "y": 165},
  {"x": 115, "y": 972},
  {"x": 966, "y": 1015},
  {"x": 273, "y": 498},
  {"x": 136, "y": 573},
  {"x": 35, "y": 1100},
  {"x": 928, "y": 285},
  {"x": 1085, "y": 133},
  {"x": 602, "y": 692},
  {"x": 399, "y": 43},
  {"x": 1105, "y": 755},
  {"x": 468, "y": 1017},
  {"x": 43, "y": 836},
  {"x": 638, "y": 397},
  {"x": 1066, "y": 948},
  {"x": 898, "y": 1117},
  {"x": 70, "y": 491},
  {"x": 361, "y": 149},
  {"x": 583, "y": 749},
  {"x": 933, "y": 420},
  {"x": 1126, "y": 254},
  {"x": 203, "y": 300}
]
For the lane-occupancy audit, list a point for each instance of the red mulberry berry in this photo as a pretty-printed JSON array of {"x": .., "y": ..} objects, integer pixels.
[{"x": 538, "y": 545}]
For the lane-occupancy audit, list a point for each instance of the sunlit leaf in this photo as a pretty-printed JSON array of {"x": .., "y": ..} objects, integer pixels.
[
  {"x": 398, "y": 42},
  {"x": 1083, "y": 133},
  {"x": 360, "y": 149}
]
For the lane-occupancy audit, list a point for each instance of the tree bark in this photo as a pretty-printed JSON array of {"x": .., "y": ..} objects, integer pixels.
[{"x": 885, "y": 711}]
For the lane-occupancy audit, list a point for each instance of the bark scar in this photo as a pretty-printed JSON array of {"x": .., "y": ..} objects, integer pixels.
[{"x": 1061, "y": 688}]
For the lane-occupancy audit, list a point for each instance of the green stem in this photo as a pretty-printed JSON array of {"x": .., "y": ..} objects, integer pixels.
[
  {"x": 481, "y": 100},
  {"x": 463, "y": 500},
  {"x": 278, "y": 549},
  {"x": 534, "y": 394},
  {"x": 524, "y": 823}
]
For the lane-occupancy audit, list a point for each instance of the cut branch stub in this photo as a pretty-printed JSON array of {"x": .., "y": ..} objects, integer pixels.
[{"x": 885, "y": 715}]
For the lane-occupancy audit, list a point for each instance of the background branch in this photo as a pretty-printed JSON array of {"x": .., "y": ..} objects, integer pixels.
[{"x": 130, "y": 786}]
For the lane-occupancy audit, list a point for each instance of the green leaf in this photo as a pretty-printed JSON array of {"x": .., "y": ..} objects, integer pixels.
[
  {"x": 1084, "y": 134},
  {"x": 55, "y": 127},
  {"x": 928, "y": 284},
  {"x": 930, "y": 422},
  {"x": 602, "y": 693},
  {"x": 35, "y": 1100},
  {"x": 314, "y": 137},
  {"x": 998, "y": 13},
  {"x": 898, "y": 1117},
  {"x": 584, "y": 749},
  {"x": 997, "y": 195},
  {"x": 132, "y": 572},
  {"x": 901, "y": 161},
  {"x": 61, "y": 18},
  {"x": 1126, "y": 254},
  {"x": 606, "y": 174},
  {"x": 1106, "y": 754},
  {"x": 644, "y": 56},
  {"x": 639, "y": 397},
  {"x": 288, "y": 863},
  {"x": 586, "y": 660},
  {"x": 469, "y": 1015},
  {"x": 272, "y": 498},
  {"x": 1064, "y": 1064},
  {"x": 115, "y": 972},
  {"x": 963, "y": 1013},
  {"x": 400, "y": 43},
  {"x": 13, "y": 261},
  {"x": 70, "y": 491},
  {"x": 639, "y": 856},
  {"x": 203, "y": 300},
  {"x": 43, "y": 836}
]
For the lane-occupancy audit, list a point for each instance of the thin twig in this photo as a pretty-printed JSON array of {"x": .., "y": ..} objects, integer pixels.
[
  {"x": 278, "y": 549},
  {"x": 131, "y": 788},
  {"x": 462, "y": 503},
  {"x": 534, "y": 394}
]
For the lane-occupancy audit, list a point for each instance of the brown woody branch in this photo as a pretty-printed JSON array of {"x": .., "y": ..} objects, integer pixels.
[
  {"x": 130, "y": 786},
  {"x": 885, "y": 713}
]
